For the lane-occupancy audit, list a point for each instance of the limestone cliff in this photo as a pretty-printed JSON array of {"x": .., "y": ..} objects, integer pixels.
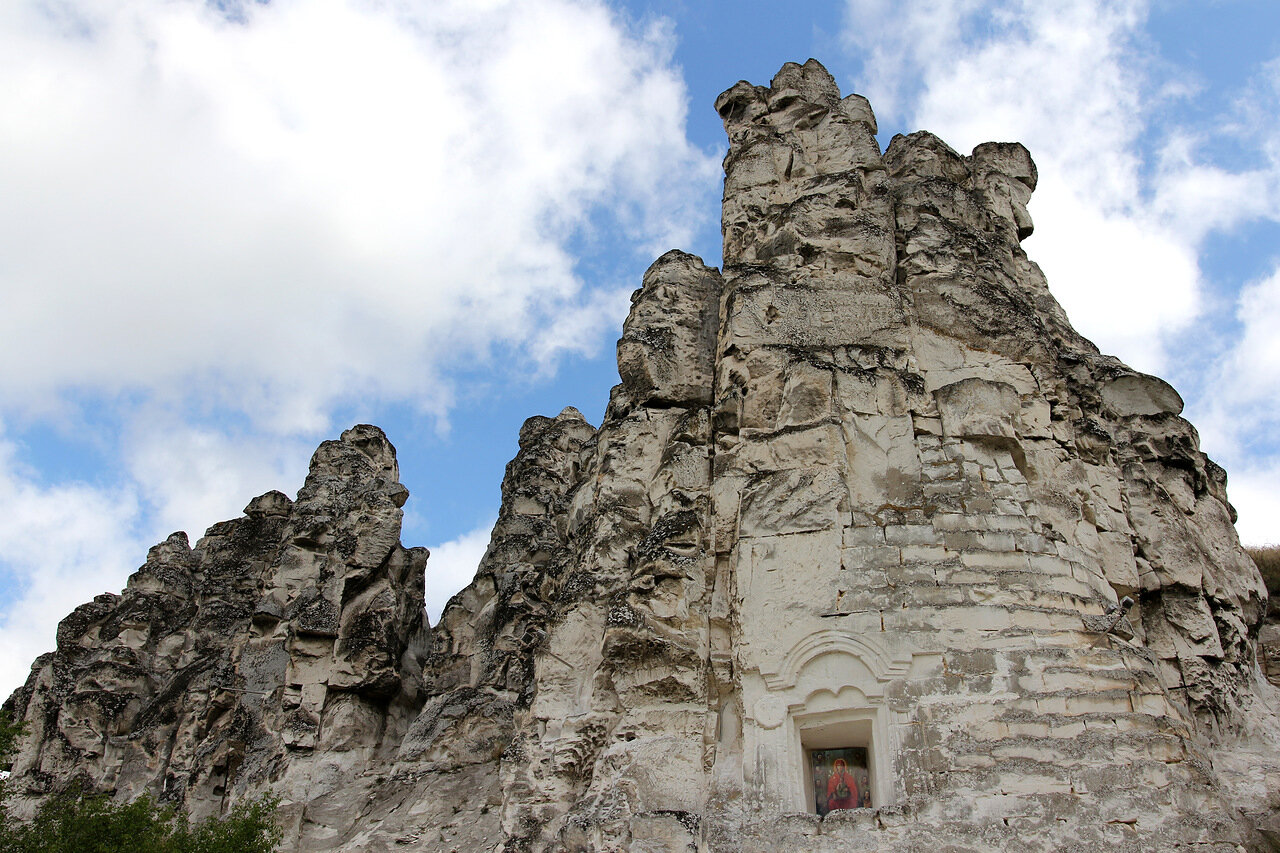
[{"x": 864, "y": 492}]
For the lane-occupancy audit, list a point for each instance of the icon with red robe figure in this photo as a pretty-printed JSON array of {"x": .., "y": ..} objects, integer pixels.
[
  {"x": 842, "y": 789},
  {"x": 840, "y": 779}
]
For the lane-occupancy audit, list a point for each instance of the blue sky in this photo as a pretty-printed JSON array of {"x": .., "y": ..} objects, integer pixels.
[{"x": 230, "y": 230}]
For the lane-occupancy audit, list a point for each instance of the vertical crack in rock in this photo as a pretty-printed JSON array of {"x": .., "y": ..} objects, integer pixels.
[{"x": 863, "y": 489}]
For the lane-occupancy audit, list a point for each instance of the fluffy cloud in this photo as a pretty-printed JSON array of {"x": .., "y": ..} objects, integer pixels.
[
  {"x": 1241, "y": 417},
  {"x": 452, "y": 566},
  {"x": 230, "y": 224},
  {"x": 190, "y": 476},
  {"x": 1254, "y": 369},
  {"x": 1129, "y": 190},
  {"x": 1253, "y": 492},
  {"x": 62, "y": 545},
  {"x": 293, "y": 202},
  {"x": 1118, "y": 233}
]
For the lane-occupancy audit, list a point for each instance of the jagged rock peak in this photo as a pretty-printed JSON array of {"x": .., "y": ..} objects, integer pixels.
[
  {"x": 667, "y": 349},
  {"x": 871, "y": 550},
  {"x": 228, "y": 666}
]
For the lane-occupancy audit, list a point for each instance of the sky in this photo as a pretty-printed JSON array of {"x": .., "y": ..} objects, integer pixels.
[{"x": 231, "y": 229}]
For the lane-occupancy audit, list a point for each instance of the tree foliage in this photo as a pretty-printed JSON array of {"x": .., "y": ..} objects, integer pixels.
[{"x": 78, "y": 822}]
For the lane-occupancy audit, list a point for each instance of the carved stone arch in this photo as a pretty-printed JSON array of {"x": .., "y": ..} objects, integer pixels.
[
  {"x": 829, "y": 691},
  {"x": 826, "y": 698},
  {"x": 882, "y": 666}
]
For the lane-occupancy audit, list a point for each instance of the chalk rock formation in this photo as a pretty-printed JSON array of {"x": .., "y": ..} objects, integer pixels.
[
  {"x": 862, "y": 494},
  {"x": 277, "y": 646}
]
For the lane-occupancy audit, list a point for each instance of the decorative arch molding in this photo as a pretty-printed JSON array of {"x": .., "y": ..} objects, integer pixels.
[{"x": 882, "y": 666}]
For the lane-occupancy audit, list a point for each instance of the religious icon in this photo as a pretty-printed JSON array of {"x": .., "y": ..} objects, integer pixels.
[{"x": 840, "y": 779}]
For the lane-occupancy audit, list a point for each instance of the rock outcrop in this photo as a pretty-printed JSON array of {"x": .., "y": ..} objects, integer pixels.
[
  {"x": 864, "y": 493},
  {"x": 283, "y": 642}
]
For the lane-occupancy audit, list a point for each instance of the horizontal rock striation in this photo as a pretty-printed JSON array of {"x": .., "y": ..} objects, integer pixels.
[{"x": 864, "y": 492}]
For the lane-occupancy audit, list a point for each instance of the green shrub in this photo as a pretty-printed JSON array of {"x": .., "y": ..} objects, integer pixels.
[{"x": 75, "y": 822}]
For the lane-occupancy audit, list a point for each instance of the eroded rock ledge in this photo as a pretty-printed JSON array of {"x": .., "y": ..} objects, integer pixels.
[{"x": 863, "y": 489}]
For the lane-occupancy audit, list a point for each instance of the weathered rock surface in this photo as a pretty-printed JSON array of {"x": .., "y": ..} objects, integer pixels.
[
  {"x": 279, "y": 649},
  {"x": 864, "y": 488}
]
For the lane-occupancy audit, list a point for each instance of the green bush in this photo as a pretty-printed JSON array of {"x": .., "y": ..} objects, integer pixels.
[{"x": 75, "y": 822}]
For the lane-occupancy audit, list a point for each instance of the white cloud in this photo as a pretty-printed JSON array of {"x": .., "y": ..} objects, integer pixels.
[
  {"x": 193, "y": 476},
  {"x": 324, "y": 198},
  {"x": 1128, "y": 189},
  {"x": 268, "y": 215},
  {"x": 452, "y": 566},
  {"x": 1072, "y": 81},
  {"x": 61, "y": 546},
  {"x": 1255, "y": 493},
  {"x": 571, "y": 331},
  {"x": 1241, "y": 417},
  {"x": 1197, "y": 198},
  {"x": 1125, "y": 280},
  {"x": 1255, "y": 360}
]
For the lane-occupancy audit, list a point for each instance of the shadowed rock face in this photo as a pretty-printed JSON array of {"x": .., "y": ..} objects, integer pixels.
[{"x": 864, "y": 488}]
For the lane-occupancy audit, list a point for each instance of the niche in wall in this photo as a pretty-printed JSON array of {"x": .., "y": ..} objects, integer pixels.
[
  {"x": 825, "y": 717},
  {"x": 839, "y": 760}
]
